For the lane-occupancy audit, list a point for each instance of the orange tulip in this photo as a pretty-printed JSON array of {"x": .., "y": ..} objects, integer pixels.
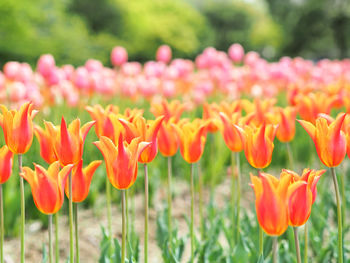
[
  {"x": 256, "y": 111},
  {"x": 211, "y": 114},
  {"x": 231, "y": 135},
  {"x": 167, "y": 138},
  {"x": 18, "y": 127},
  {"x": 301, "y": 195},
  {"x": 104, "y": 126},
  {"x": 174, "y": 109},
  {"x": 192, "y": 137},
  {"x": 47, "y": 186},
  {"x": 6, "y": 160},
  {"x": 230, "y": 108},
  {"x": 286, "y": 124},
  {"x": 69, "y": 142},
  {"x": 330, "y": 140},
  {"x": 121, "y": 160},
  {"x": 46, "y": 142},
  {"x": 309, "y": 106},
  {"x": 147, "y": 131},
  {"x": 258, "y": 144},
  {"x": 81, "y": 180},
  {"x": 271, "y": 202}
]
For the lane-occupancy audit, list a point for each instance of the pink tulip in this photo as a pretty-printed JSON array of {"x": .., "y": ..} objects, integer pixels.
[
  {"x": 236, "y": 53},
  {"x": 45, "y": 64},
  {"x": 11, "y": 69},
  {"x": 164, "y": 54},
  {"x": 119, "y": 56}
]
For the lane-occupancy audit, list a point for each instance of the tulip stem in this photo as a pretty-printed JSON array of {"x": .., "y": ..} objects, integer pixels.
[
  {"x": 297, "y": 246},
  {"x": 50, "y": 240},
  {"x": 233, "y": 198},
  {"x": 343, "y": 198},
  {"x": 127, "y": 213},
  {"x": 340, "y": 227},
  {"x": 261, "y": 240},
  {"x": 192, "y": 214},
  {"x": 57, "y": 249},
  {"x": 200, "y": 188},
  {"x": 238, "y": 204},
  {"x": 124, "y": 222},
  {"x": 275, "y": 250},
  {"x": 22, "y": 207},
  {"x": 146, "y": 215},
  {"x": 108, "y": 200},
  {"x": 306, "y": 242},
  {"x": 290, "y": 155},
  {"x": 169, "y": 203},
  {"x": 1, "y": 226},
  {"x": 71, "y": 236},
  {"x": 76, "y": 233}
]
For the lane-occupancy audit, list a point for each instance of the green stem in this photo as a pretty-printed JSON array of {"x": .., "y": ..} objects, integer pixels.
[
  {"x": 50, "y": 240},
  {"x": 57, "y": 248},
  {"x": 124, "y": 222},
  {"x": 146, "y": 215},
  {"x": 127, "y": 213},
  {"x": 200, "y": 188},
  {"x": 343, "y": 198},
  {"x": 306, "y": 242},
  {"x": 238, "y": 204},
  {"x": 1, "y": 226},
  {"x": 340, "y": 227},
  {"x": 233, "y": 198},
  {"x": 290, "y": 156},
  {"x": 192, "y": 214},
  {"x": 275, "y": 250},
  {"x": 71, "y": 235},
  {"x": 261, "y": 241},
  {"x": 169, "y": 203},
  {"x": 109, "y": 214},
  {"x": 297, "y": 246},
  {"x": 22, "y": 208},
  {"x": 76, "y": 219}
]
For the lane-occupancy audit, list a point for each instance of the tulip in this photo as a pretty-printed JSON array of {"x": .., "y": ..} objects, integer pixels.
[
  {"x": 236, "y": 53},
  {"x": 211, "y": 113},
  {"x": 168, "y": 143},
  {"x": 301, "y": 195},
  {"x": 271, "y": 202},
  {"x": 121, "y": 166},
  {"x": 258, "y": 144},
  {"x": 147, "y": 132},
  {"x": 47, "y": 190},
  {"x": 68, "y": 146},
  {"x": 46, "y": 142},
  {"x": 174, "y": 109},
  {"x": 47, "y": 186},
  {"x": 81, "y": 180},
  {"x": 18, "y": 133},
  {"x": 18, "y": 127},
  {"x": 6, "y": 159},
  {"x": 164, "y": 54},
  {"x": 330, "y": 142},
  {"x": 234, "y": 143},
  {"x": 192, "y": 137},
  {"x": 104, "y": 126},
  {"x": 119, "y": 56}
]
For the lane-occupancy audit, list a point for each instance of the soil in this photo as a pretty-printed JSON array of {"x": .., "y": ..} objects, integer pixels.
[{"x": 90, "y": 221}]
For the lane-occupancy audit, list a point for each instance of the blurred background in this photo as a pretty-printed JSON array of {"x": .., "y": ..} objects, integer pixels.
[{"x": 75, "y": 30}]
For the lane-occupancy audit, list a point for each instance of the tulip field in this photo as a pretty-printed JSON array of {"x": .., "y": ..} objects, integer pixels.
[{"x": 226, "y": 158}]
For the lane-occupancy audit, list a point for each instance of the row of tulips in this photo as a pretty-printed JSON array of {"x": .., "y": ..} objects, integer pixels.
[
  {"x": 232, "y": 73},
  {"x": 126, "y": 139}
]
